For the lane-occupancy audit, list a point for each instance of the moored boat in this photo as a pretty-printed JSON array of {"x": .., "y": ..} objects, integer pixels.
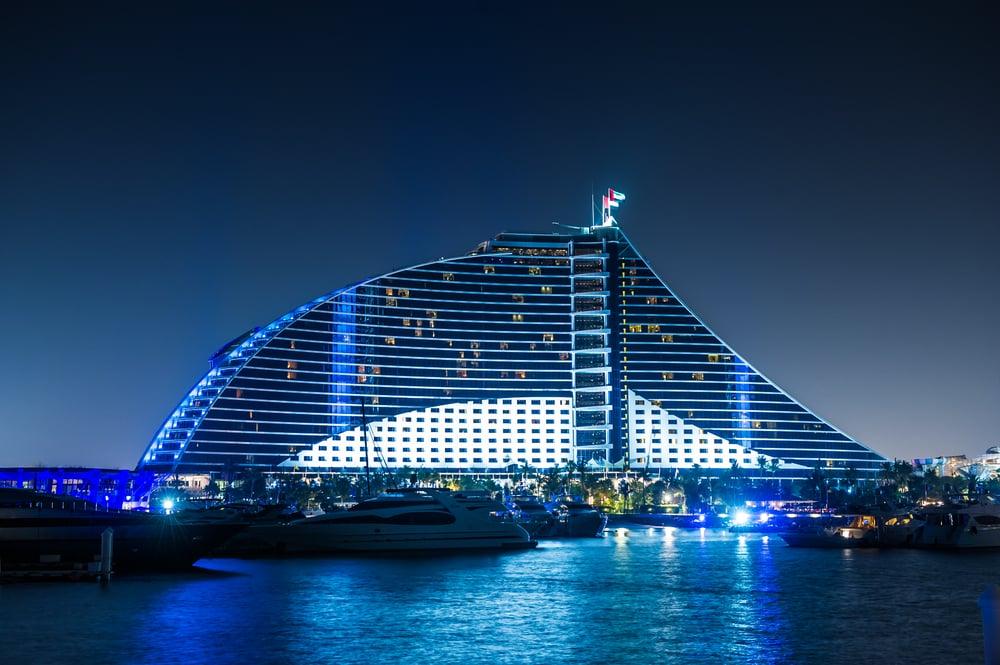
[
  {"x": 418, "y": 520},
  {"x": 44, "y": 527},
  {"x": 575, "y": 518},
  {"x": 972, "y": 526},
  {"x": 900, "y": 530},
  {"x": 531, "y": 513},
  {"x": 857, "y": 531}
]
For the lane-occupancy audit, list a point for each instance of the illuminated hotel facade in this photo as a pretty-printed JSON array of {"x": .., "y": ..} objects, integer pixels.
[{"x": 534, "y": 349}]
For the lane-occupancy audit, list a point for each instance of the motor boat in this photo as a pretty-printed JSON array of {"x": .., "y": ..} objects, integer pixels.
[
  {"x": 574, "y": 518},
  {"x": 856, "y": 531},
  {"x": 414, "y": 520},
  {"x": 531, "y": 513},
  {"x": 901, "y": 529},
  {"x": 37, "y": 527},
  {"x": 971, "y": 526}
]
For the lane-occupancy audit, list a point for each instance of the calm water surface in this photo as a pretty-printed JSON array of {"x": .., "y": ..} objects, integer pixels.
[{"x": 648, "y": 596}]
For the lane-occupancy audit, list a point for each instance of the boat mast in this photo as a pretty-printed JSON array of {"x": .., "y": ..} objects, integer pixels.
[{"x": 364, "y": 433}]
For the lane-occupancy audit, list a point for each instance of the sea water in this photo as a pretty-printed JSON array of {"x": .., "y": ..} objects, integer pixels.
[{"x": 635, "y": 596}]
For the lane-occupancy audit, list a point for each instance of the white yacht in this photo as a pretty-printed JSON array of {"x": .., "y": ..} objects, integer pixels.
[
  {"x": 399, "y": 521},
  {"x": 972, "y": 526}
]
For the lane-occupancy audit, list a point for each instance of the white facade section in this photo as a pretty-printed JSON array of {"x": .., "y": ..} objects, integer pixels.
[
  {"x": 496, "y": 434},
  {"x": 461, "y": 436},
  {"x": 661, "y": 440}
]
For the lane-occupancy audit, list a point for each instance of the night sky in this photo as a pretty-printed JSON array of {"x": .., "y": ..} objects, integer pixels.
[{"x": 820, "y": 184}]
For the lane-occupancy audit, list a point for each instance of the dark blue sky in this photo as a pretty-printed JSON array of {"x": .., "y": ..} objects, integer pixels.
[{"x": 820, "y": 184}]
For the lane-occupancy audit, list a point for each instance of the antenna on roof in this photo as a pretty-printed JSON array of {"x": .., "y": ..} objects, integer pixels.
[{"x": 609, "y": 201}]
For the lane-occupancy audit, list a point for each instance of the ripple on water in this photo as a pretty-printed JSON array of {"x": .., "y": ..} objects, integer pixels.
[{"x": 651, "y": 595}]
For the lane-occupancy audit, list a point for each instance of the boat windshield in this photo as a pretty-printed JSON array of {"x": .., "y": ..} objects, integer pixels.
[{"x": 863, "y": 522}]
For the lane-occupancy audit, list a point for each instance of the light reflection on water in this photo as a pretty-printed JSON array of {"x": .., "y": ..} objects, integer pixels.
[{"x": 637, "y": 596}]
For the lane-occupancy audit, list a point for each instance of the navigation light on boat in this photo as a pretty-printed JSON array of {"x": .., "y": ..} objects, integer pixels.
[
  {"x": 168, "y": 505},
  {"x": 764, "y": 517},
  {"x": 741, "y": 518}
]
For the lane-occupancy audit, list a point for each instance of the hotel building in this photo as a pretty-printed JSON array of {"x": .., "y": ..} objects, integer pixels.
[{"x": 533, "y": 349}]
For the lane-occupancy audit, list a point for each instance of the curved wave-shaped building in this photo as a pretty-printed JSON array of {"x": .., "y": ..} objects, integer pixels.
[{"x": 534, "y": 349}]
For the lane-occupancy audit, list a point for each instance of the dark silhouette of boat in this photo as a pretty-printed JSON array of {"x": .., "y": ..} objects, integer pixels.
[
  {"x": 575, "y": 518},
  {"x": 37, "y": 527}
]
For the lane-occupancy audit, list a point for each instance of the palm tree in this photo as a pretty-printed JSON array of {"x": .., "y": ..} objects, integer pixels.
[
  {"x": 762, "y": 467},
  {"x": 571, "y": 468},
  {"x": 693, "y": 491},
  {"x": 885, "y": 472},
  {"x": 773, "y": 466},
  {"x": 819, "y": 484},
  {"x": 930, "y": 480},
  {"x": 603, "y": 492},
  {"x": 551, "y": 482},
  {"x": 850, "y": 476}
]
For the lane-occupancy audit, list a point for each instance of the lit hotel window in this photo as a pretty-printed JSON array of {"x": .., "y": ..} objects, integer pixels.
[
  {"x": 388, "y": 292},
  {"x": 448, "y": 276},
  {"x": 391, "y": 341},
  {"x": 431, "y": 314},
  {"x": 406, "y": 322},
  {"x": 489, "y": 269},
  {"x": 518, "y": 317},
  {"x": 698, "y": 376},
  {"x": 654, "y": 327},
  {"x": 504, "y": 346},
  {"x": 534, "y": 270},
  {"x": 404, "y": 293},
  {"x": 521, "y": 374},
  {"x": 635, "y": 328},
  {"x": 651, "y": 300},
  {"x": 713, "y": 357},
  {"x": 666, "y": 338},
  {"x": 546, "y": 289},
  {"x": 517, "y": 298},
  {"x": 667, "y": 375},
  {"x": 548, "y": 337}
]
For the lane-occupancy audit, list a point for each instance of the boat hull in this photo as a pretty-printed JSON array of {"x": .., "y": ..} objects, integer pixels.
[
  {"x": 588, "y": 524},
  {"x": 310, "y": 539},
  {"x": 957, "y": 538},
  {"x": 828, "y": 540},
  {"x": 140, "y": 543}
]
